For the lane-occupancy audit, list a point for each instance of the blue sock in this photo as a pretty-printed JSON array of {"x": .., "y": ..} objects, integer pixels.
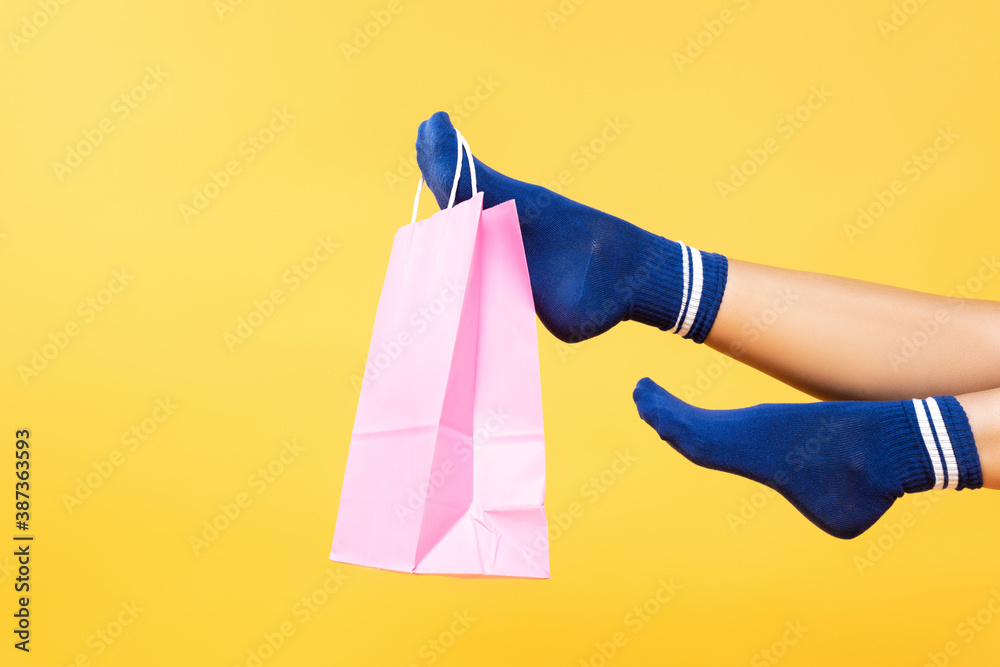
[
  {"x": 588, "y": 270},
  {"x": 841, "y": 463}
]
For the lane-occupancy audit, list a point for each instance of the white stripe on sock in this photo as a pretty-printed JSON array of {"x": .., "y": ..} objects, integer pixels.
[
  {"x": 949, "y": 453},
  {"x": 686, "y": 292},
  {"x": 925, "y": 431},
  {"x": 697, "y": 281}
]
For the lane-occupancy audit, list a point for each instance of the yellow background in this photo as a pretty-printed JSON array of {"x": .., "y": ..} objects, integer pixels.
[{"x": 556, "y": 83}]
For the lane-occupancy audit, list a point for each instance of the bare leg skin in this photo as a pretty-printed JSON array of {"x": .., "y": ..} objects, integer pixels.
[
  {"x": 843, "y": 339},
  {"x": 983, "y": 410}
]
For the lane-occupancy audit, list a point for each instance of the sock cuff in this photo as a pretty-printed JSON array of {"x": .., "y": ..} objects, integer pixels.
[
  {"x": 658, "y": 297},
  {"x": 682, "y": 290},
  {"x": 970, "y": 472},
  {"x": 715, "y": 269},
  {"x": 944, "y": 445},
  {"x": 907, "y": 453}
]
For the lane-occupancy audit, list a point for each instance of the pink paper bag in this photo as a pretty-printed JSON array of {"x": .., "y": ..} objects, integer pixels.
[{"x": 446, "y": 468}]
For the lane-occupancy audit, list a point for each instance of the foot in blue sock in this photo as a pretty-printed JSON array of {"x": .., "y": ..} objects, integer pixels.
[
  {"x": 588, "y": 270},
  {"x": 841, "y": 463}
]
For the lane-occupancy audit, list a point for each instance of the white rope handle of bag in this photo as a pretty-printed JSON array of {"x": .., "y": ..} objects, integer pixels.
[{"x": 462, "y": 143}]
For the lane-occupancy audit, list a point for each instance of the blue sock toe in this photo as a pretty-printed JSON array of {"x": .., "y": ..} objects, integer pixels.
[{"x": 588, "y": 270}]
